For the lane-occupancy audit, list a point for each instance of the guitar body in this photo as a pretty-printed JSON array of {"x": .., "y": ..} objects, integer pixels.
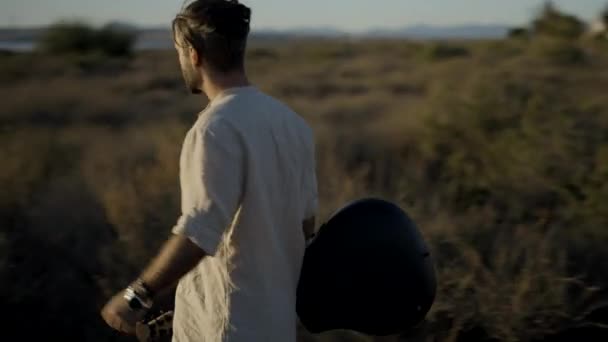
[{"x": 369, "y": 270}]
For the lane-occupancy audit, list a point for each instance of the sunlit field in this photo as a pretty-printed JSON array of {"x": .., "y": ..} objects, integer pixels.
[{"x": 497, "y": 149}]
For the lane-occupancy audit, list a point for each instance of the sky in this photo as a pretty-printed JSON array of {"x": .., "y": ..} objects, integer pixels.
[{"x": 348, "y": 15}]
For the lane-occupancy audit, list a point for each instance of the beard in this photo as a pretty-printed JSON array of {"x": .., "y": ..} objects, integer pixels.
[{"x": 193, "y": 78}]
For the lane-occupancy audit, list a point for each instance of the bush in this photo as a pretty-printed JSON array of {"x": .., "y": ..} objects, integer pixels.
[
  {"x": 554, "y": 23},
  {"x": 441, "y": 51},
  {"x": 67, "y": 37},
  {"x": 80, "y": 38},
  {"x": 115, "y": 42},
  {"x": 519, "y": 32},
  {"x": 560, "y": 52}
]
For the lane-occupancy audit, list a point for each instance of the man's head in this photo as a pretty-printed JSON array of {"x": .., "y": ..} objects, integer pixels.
[{"x": 210, "y": 37}]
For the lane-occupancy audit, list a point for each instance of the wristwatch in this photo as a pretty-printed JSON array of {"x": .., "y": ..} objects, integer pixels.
[{"x": 138, "y": 296}]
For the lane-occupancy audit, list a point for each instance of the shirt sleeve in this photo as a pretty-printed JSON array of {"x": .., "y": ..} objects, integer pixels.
[
  {"x": 214, "y": 179},
  {"x": 310, "y": 184}
]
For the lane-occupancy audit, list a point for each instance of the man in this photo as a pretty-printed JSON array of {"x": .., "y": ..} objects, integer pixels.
[{"x": 249, "y": 197}]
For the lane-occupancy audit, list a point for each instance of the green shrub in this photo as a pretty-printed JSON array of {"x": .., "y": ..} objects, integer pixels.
[
  {"x": 80, "y": 38},
  {"x": 442, "y": 51},
  {"x": 115, "y": 42},
  {"x": 560, "y": 52},
  {"x": 552, "y": 22},
  {"x": 67, "y": 37},
  {"x": 519, "y": 32}
]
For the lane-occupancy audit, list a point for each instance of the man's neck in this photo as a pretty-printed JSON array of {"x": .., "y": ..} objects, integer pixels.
[{"x": 217, "y": 83}]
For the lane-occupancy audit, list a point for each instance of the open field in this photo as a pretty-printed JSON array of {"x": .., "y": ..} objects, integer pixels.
[{"x": 497, "y": 149}]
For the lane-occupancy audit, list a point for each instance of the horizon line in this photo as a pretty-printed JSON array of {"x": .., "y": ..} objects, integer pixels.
[{"x": 270, "y": 28}]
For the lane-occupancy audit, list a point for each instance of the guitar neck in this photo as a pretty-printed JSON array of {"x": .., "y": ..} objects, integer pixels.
[{"x": 157, "y": 329}]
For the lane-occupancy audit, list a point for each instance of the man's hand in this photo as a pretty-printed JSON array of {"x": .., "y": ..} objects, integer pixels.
[
  {"x": 120, "y": 316},
  {"x": 177, "y": 257}
]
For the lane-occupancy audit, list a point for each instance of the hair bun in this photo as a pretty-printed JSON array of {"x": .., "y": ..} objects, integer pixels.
[{"x": 229, "y": 18}]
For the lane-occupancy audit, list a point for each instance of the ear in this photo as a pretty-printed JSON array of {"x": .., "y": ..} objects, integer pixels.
[{"x": 195, "y": 57}]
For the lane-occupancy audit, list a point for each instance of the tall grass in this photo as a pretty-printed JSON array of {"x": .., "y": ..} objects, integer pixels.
[{"x": 499, "y": 154}]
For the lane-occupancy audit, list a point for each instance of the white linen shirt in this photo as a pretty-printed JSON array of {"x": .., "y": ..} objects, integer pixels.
[{"x": 247, "y": 177}]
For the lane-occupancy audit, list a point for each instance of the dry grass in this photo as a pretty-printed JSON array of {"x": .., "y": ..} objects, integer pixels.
[{"x": 497, "y": 149}]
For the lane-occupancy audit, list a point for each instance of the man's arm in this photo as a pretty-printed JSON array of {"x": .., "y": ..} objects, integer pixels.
[
  {"x": 216, "y": 157},
  {"x": 177, "y": 257}
]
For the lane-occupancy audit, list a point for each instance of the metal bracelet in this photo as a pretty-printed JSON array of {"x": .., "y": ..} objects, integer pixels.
[{"x": 139, "y": 292}]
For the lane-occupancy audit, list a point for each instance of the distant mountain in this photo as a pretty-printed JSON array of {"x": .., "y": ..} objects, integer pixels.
[
  {"x": 19, "y": 34},
  {"x": 121, "y": 26},
  {"x": 319, "y": 31},
  {"x": 413, "y": 32},
  {"x": 160, "y": 37},
  {"x": 325, "y": 32},
  {"x": 443, "y": 32},
  {"x": 417, "y": 31}
]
